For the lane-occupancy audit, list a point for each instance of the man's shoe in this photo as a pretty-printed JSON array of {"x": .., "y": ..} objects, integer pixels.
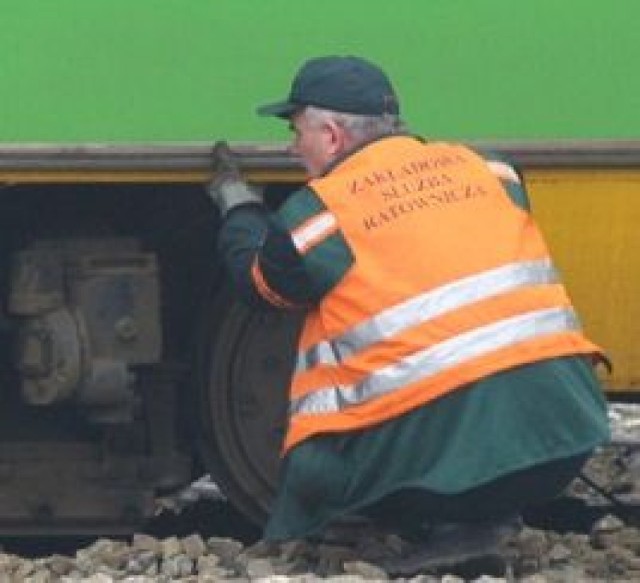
[
  {"x": 346, "y": 530},
  {"x": 452, "y": 544}
]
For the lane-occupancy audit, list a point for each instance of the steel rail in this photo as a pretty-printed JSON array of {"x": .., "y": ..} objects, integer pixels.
[{"x": 195, "y": 157}]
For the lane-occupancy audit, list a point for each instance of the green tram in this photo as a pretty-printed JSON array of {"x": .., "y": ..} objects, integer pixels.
[{"x": 128, "y": 369}]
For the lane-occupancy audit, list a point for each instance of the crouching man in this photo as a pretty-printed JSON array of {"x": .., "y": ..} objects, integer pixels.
[{"x": 443, "y": 383}]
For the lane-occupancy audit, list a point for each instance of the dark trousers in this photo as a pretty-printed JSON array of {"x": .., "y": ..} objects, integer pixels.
[{"x": 412, "y": 508}]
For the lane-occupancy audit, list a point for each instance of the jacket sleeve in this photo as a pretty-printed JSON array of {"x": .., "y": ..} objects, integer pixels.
[{"x": 267, "y": 267}]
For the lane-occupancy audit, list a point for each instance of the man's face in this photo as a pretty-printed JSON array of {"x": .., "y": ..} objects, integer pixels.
[{"x": 314, "y": 142}]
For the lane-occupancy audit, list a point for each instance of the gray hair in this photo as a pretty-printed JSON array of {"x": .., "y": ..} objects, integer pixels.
[{"x": 361, "y": 128}]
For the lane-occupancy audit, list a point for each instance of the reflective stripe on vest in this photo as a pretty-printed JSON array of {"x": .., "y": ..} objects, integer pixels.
[
  {"x": 435, "y": 359},
  {"x": 427, "y": 306}
]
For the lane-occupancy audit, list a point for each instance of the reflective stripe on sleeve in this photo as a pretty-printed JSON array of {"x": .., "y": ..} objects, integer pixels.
[
  {"x": 265, "y": 291},
  {"x": 427, "y": 306},
  {"x": 427, "y": 363},
  {"x": 313, "y": 231}
]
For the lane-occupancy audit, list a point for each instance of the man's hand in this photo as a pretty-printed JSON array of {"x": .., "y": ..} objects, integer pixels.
[{"x": 227, "y": 189}]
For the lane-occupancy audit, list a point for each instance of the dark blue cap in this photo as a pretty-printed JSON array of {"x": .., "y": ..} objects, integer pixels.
[{"x": 344, "y": 84}]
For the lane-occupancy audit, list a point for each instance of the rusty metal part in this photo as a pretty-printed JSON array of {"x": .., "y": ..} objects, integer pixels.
[
  {"x": 88, "y": 490},
  {"x": 104, "y": 485},
  {"x": 88, "y": 311},
  {"x": 50, "y": 357}
]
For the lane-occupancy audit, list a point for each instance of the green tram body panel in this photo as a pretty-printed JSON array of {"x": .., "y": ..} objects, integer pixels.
[{"x": 193, "y": 70}]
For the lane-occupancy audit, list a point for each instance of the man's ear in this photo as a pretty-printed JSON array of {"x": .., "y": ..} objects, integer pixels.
[{"x": 336, "y": 138}]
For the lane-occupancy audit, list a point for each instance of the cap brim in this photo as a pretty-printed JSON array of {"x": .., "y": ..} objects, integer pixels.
[{"x": 284, "y": 109}]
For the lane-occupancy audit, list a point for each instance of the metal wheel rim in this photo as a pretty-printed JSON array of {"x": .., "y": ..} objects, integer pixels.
[{"x": 248, "y": 364}]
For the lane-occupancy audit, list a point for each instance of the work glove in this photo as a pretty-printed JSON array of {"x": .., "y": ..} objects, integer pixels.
[{"x": 227, "y": 190}]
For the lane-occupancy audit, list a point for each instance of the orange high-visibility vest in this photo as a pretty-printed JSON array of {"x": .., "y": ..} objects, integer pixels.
[{"x": 451, "y": 282}]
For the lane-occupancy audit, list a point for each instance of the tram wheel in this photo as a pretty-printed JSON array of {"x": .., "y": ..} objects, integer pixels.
[{"x": 244, "y": 372}]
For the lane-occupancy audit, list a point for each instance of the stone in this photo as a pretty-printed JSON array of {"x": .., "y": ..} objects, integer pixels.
[
  {"x": 424, "y": 579},
  {"x": 365, "y": 570},
  {"x": 226, "y": 549},
  {"x": 40, "y": 576},
  {"x": 7, "y": 563},
  {"x": 24, "y": 570},
  {"x": 193, "y": 546},
  {"x": 205, "y": 563},
  {"x": 140, "y": 562},
  {"x": 145, "y": 542},
  {"x": 170, "y": 547},
  {"x": 259, "y": 568},
  {"x": 608, "y": 523},
  {"x": 98, "y": 578},
  {"x": 60, "y": 564},
  {"x": 536, "y": 578},
  {"x": 559, "y": 554},
  {"x": 73, "y": 577},
  {"x": 339, "y": 579},
  {"x": 177, "y": 566}
]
